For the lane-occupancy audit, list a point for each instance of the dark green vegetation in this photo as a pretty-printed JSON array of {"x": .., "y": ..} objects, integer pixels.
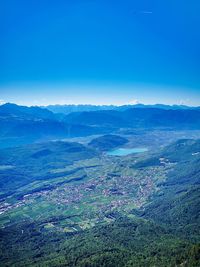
[
  {"x": 22, "y": 167},
  {"x": 81, "y": 208},
  {"x": 107, "y": 142},
  {"x": 177, "y": 205},
  {"x": 66, "y": 203},
  {"x": 125, "y": 242}
]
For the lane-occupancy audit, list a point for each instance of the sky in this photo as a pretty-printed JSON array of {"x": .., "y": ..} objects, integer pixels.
[{"x": 100, "y": 52}]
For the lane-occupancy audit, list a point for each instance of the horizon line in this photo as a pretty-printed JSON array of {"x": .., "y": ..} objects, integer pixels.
[{"x": 106, "y": 105}]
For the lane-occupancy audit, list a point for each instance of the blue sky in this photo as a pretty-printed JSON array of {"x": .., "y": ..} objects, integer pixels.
[{"x": 99, "y": 51}]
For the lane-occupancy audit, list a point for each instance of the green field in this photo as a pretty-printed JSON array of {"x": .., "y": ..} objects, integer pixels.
[{"x": 100, "y": 210}]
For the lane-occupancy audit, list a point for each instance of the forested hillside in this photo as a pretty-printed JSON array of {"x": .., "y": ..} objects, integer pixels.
[{"x": 150, "y": 220}]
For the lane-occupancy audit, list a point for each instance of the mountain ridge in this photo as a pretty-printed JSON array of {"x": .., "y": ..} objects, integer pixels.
[{"x": 66, "y": 109}]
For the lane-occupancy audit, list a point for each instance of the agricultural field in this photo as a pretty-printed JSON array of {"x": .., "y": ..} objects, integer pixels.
[
  {"x": 94, "y": 192},
  {"x": 62, "y": 193}
]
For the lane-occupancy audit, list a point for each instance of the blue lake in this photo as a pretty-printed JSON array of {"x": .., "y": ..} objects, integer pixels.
[{"x": 126, "y": 151}]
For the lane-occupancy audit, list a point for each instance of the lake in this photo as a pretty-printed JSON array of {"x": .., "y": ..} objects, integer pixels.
[{"x": 126, "y": 151}]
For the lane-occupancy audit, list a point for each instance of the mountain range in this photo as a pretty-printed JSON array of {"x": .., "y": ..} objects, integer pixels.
[
  {"x": 66, "y": 109},
  {"x": 20, "y": 124}
]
